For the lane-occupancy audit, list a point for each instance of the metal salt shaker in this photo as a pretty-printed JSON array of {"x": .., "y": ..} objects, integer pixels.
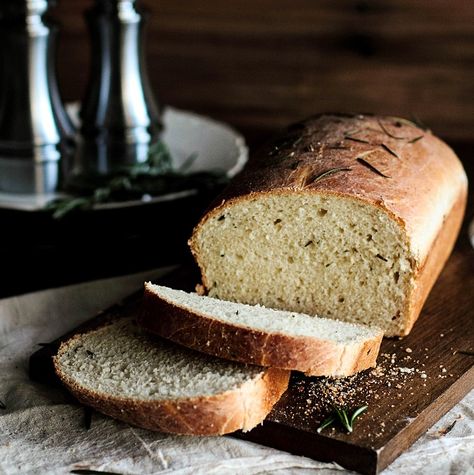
[
  {"x": 119, "y": 115},
  {"x": 35, "y": 132}
]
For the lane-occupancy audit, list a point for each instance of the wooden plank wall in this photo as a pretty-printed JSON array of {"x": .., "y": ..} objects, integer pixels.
[{"x": 263, "y": 63}]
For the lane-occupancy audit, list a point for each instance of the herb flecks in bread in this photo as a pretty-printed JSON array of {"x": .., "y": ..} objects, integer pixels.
[
  {"x": 259, "y": 335},
  {"x": 157, "y": 385},
  {"x": 380, "y": 231}
]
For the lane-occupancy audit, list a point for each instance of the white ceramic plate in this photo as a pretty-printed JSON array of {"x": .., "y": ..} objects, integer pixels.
[{"x": 217, "y": 146}]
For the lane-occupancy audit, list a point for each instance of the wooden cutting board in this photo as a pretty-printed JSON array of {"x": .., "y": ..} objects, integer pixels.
[{"x": 419, "y": 378}]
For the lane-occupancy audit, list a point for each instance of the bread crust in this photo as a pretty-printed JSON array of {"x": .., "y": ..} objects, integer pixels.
[
  {"x": 429, "y": 271},
  {"x": 241, "y": 408},
  {"x": 424, "y": 189},
  {"x": 311, "y": 355}
]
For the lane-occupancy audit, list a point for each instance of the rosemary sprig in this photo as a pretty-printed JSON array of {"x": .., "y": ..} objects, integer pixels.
[
  {"x": 368, "y": 165},
  {"x": 343, "y": 418},
  {"x": 2, "y": 405},
  {"x": 154, "y": 177},
  {"x": 328, "y": 173}
]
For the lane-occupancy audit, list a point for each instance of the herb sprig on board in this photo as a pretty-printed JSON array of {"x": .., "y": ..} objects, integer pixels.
[
  {"x": 156, "y": 176},
  {"x": 343, "y": 418}
]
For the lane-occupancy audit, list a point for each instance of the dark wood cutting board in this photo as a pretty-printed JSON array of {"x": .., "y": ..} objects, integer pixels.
[{"x": 418, "y": 379}]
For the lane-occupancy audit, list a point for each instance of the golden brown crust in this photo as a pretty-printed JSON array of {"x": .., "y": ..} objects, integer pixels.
[
  {"x": 436, "y": 259},
  {"x": 242, "y": 408},
  {"x": 346, "y": 155},
  {"x": 311, "y": 355}
]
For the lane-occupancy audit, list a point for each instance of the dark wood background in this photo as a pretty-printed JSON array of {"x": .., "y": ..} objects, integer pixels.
[
  {"x": 258, "y": 64},
  {"x": 263, "y": 63}
]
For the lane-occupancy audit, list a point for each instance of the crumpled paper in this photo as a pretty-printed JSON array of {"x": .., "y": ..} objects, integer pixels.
[{"x": 42, "y": 431}]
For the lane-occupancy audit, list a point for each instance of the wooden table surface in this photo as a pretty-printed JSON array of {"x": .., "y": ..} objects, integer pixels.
[{"x": 261, "y": 64}]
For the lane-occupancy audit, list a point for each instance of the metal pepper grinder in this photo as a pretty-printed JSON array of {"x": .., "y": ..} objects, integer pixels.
[
  {"x": 35, "y": 132},
  {"x": 119, "y": 116}
]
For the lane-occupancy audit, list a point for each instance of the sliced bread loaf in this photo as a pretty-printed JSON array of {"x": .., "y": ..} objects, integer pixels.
[
  {"x": 258, "y": 335},
  {"x": 346, "y": 216},
  {"x": 154, "y": 384}
]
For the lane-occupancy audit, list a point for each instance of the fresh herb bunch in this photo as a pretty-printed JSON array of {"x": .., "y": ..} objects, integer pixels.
[
  {"x": 343, "y": 418},
  {"x": 156, "y": 176}
]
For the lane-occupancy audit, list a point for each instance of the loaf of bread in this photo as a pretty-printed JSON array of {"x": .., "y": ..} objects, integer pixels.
[
  {"x": 346, "y": 216},
  {"x": 157, "y": 385},
  {"x": 259, "y": 335}
]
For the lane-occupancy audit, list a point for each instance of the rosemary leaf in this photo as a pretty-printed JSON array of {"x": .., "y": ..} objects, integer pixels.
[
  {"x": 64, "y": 207},
  {"x": 389, "y": 150},
  {"x": 414, "y": 140},
  {"x": 326, "y": 423},
  {"x": 371, "y": 167},
  {"x": 355, "y": 139},
  {"x": 387, "y": 132},
  {"x": 357, "y": 413},
  {"x": 468, "y": 353},
  {"x": 328, "y": 173},
  {"x": 2, "y": 405},
  {"x": 344, "y": 419}
]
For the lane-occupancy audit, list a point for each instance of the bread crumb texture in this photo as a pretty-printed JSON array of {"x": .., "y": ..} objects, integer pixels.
[
  {"x": 257, "y": 317},
  {"x": 317, "y": 254},
  {"x": 121, "y": 360}
]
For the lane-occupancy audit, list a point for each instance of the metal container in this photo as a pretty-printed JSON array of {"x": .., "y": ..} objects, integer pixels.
[
  {"x": 119, "y": 115},
  {"x": 35, "y": 132}
]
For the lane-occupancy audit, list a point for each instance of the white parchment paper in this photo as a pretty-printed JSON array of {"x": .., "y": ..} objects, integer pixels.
[{"x": 43, "y": 432}]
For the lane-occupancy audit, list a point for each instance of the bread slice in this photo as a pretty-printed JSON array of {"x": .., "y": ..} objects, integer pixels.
[
  {"x": 258, "y": 335},
  {"x": 154, "y": 384},
  {"x": 347, "y": 216}
]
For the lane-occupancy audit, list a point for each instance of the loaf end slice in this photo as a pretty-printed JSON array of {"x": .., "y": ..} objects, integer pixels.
[
  {"x": 259, "y": 335},
  {"x": 151, "y": 383}
]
